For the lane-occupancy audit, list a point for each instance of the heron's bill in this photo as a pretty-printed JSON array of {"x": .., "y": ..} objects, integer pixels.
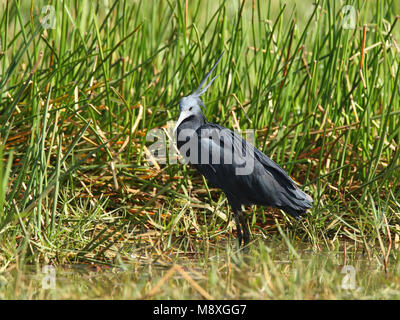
[{"x": 184, "y": 114}]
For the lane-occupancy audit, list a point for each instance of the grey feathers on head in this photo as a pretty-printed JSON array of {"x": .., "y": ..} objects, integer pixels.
[{"x": 200, "y": 91}]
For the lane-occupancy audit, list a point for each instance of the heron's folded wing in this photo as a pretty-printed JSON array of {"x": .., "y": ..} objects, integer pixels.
[
  {"x": 243, "y": 168},
  {"x": 227, "y": 160}
]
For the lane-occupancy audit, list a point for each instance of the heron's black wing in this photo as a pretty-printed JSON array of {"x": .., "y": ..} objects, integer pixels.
[{"x": 246, "y": 174}]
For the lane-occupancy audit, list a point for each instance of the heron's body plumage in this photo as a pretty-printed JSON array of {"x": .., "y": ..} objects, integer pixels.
[{"x": 268, "y": 184}]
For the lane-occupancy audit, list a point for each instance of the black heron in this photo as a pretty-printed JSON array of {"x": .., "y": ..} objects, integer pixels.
[{"x": 227, "y": 161}]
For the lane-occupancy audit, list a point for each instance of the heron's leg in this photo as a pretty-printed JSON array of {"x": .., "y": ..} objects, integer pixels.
[
  {"x": 245, "y": 228},
  {"x": 238, "y": 225},
  {"x": 241, "y": 227}
]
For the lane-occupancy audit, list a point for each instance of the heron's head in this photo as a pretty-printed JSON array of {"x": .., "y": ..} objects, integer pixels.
[{"x": 191, "y": 105}]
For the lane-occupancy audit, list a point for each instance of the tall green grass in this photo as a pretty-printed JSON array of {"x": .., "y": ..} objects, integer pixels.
[{"x": 78, "y": 100}]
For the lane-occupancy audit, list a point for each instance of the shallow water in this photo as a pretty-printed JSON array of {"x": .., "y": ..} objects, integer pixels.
[{"x": 223, "y": 272}]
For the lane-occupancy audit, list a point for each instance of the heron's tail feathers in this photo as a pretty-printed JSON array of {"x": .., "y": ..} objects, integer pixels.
[{"x": 297, "y": 204}]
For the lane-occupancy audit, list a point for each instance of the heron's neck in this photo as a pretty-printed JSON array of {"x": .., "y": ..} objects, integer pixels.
[
  {"x": 194, "y": 123},
  {"x": 188, "y": 128}
]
